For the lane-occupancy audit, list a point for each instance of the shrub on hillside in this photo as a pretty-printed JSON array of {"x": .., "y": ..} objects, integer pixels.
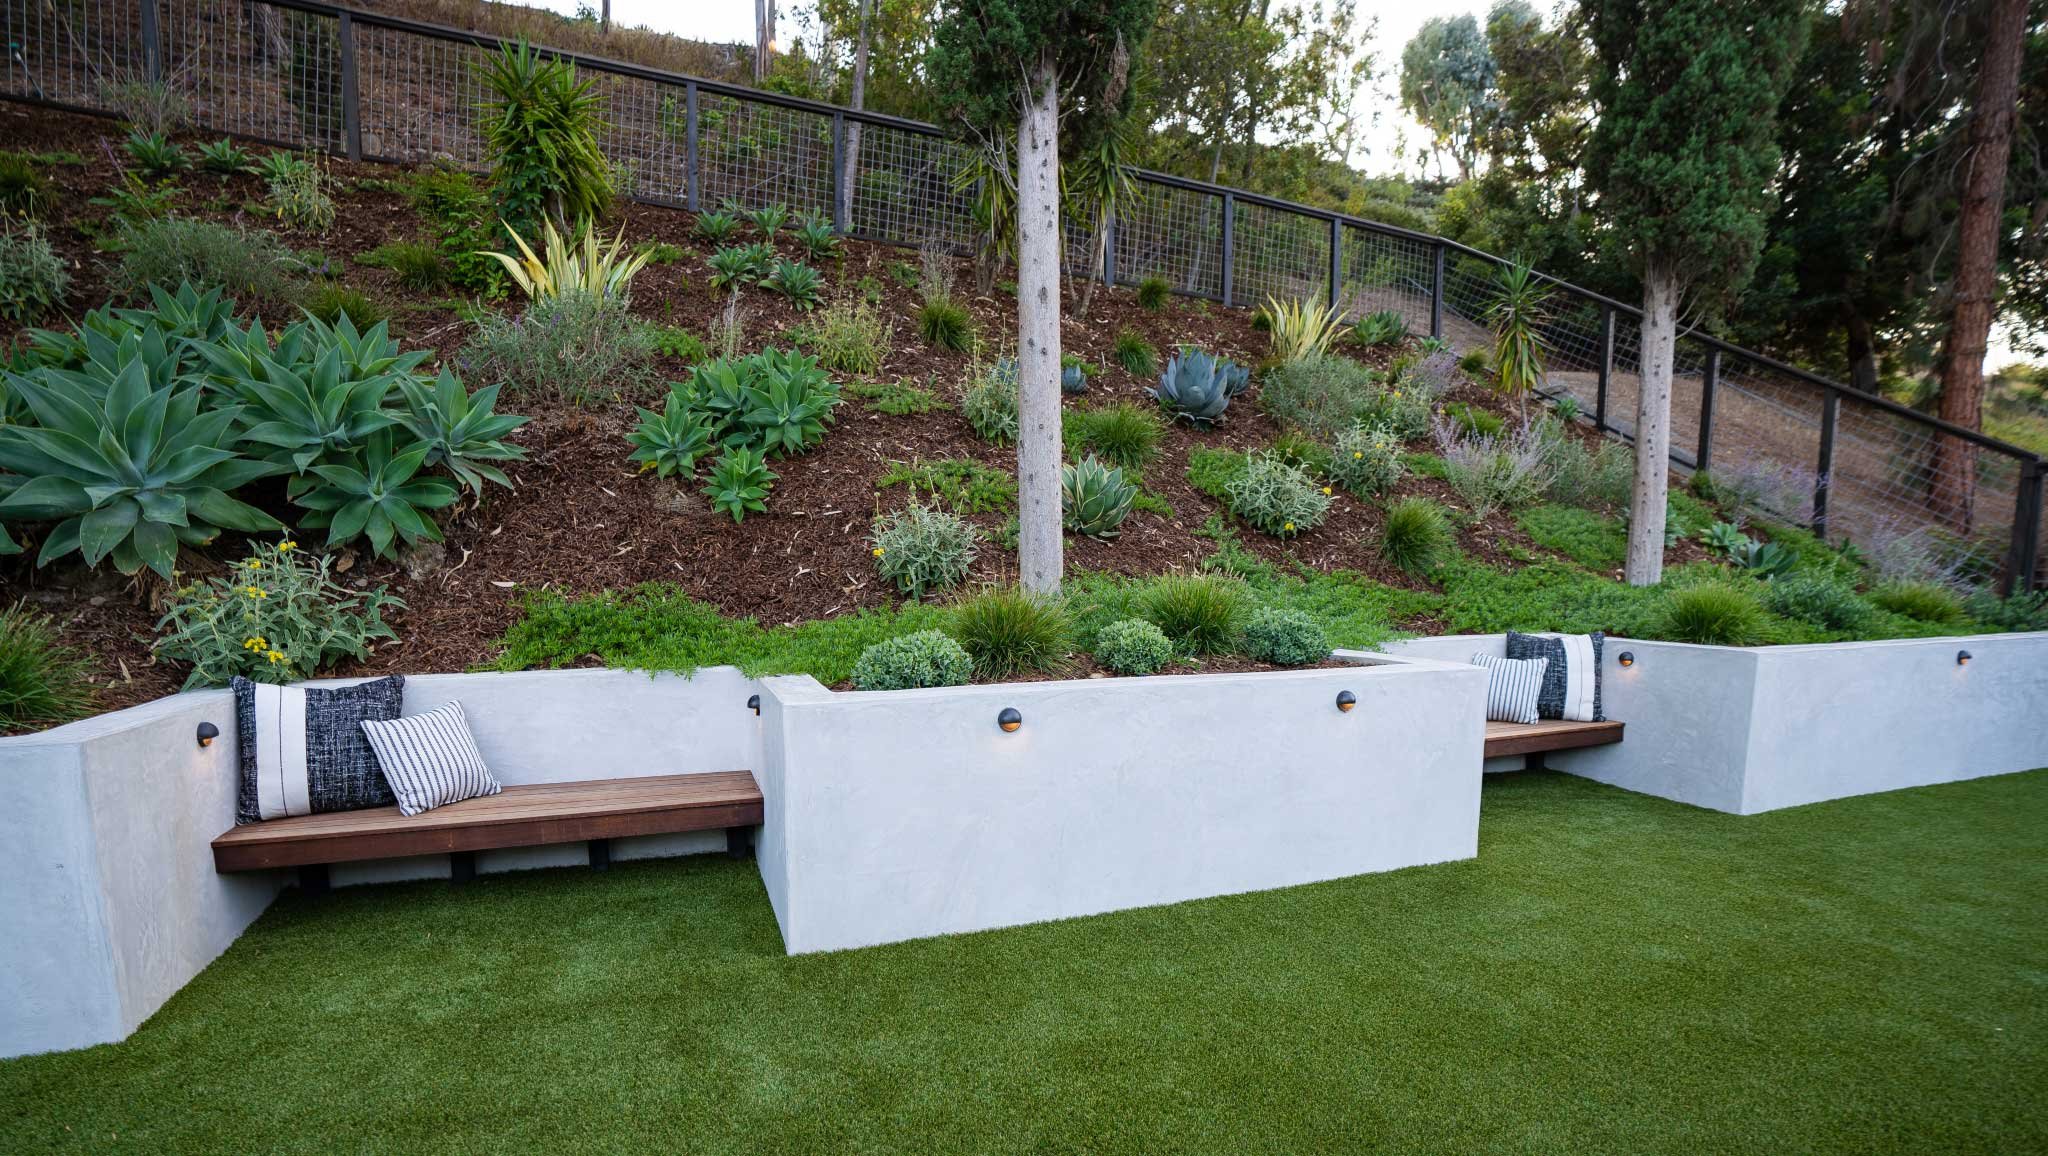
[
  {"x": 539, "y": 127},
  {"x": 945, "y": 324},
  {"x": 1417, "y": 537},
  {"x": 417, "y": 265},
  {"x": 1366, "y": 460},
  {"x": 1821, "y": 599},
  {"x": 1009, "y": 632},
  {"x": 33, "y": 280},
  {"x": 1322, "y": 396},
  {"x": 1498, "y": 472},
  {"x": 913, "y": 661},
  {"x": 573, "y": 346},
  {"x": 277, "y": 617},
  {"x": 851, "y": 337},
  {"x": 1132, "y": 646},
  {"x": 253, "y": 267},
  {"x": 1199, "y": 613},
  {"x": 330, "y": 301},
  {"x": 1922, "y": 601},
  {"x": 1278, "y": 498},
  {"x": 42, "y": 681},
  {"x": 1153, "y": 292},
  {"x": 1135, "y": 354},
  {"x": 1285, "y": 638},
  {"x": 1711, "y": 614},
  {"x": 2021, "y": 611},
  {"x": 923, "y": 548},
  {"x": 1124, "y": 433},
  {"x": 989, "y": 403}
]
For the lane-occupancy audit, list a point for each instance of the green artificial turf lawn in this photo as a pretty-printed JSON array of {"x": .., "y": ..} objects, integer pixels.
[{"x": 1614, "y": 973}]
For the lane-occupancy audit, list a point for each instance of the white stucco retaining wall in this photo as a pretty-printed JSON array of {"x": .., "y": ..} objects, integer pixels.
[
  {"x": 1756, "y": 729},
  {"x": 108, "y": 896},
  {"x": 905, "y": 814}
]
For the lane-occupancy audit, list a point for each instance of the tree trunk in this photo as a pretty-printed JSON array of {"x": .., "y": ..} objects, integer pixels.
[
  {"x": 1039, "y": 546},
  {"x": 1862, "y": 351},
  {"x": 764, "y": 39},
  {"x": 1653, "y": 424},
  {"x": 1976, "y": 285},
  {"x": 851, "y": 177}
]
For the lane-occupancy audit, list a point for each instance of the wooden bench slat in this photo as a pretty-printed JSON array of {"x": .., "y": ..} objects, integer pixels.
[
  {"x": 522, "y": 816},
  {"x": 1505, "y": 739}
]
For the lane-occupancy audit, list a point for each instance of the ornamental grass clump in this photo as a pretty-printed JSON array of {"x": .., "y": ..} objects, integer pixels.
[
  {"x": 921, "y": 548},
  {"x": 852, "y": 337},
  {"x": 912, "y": 662},
  {"x": 1285, "y": 638},
  {"x": 276, "y": 617},
  {"x": 1921, "y": 601},
  {"x": 1132, "y": 646},
  {"x": 42, "y": 681},
  {"x": 1711, "y": 614},
  {"x": 1135, "y": 354},
  {"x": 1199, "y": 613},
  {"x": 1009, "y": 632},
  {"x": 1126, "y": 434},
  {"x": 1278, "y": 498},
  {"x": 1417, "y": 537}
]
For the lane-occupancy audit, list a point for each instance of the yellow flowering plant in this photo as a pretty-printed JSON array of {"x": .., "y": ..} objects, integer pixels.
[{"x": 276, "y": 616}]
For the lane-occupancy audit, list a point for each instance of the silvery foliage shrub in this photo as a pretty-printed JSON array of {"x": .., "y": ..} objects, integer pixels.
[
  {"x": 1899, "y": 553},
  {"x": 1749, "y": 486},
  {"x": 1132, "y": 646},
  {"x": 1323, "y": 394},
  {"x": 911, "y": 661},
  {"x": 1495, "y": 472},
  {"x": 1598, "y": 478},
  {"x": 1366, "y": 460},
  {"x": 1285, "y": 637},
  {"x": 1278, "y": 498},
  {"x": 253, "y": 267},
  {"x": 33, "y": 279},
  {"x": 1407, "y": 403},
  {"x": 923, "y": 548},
  {"x": 572, "y": 346},
  {"x": 989, "y": 403}
]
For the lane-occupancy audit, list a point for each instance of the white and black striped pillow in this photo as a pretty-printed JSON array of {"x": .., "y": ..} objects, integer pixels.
[
  {"x": 1571, "y": 687},
  {"x": 1512, "y": 685},
  {"x": 302, "y": 749},
  {"x": 430, "y": 759}
]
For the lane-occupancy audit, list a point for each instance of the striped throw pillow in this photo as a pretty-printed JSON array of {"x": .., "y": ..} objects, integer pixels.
[
  {"x": 430, "y": 759},
  {"x": 1512, "y": 685}
]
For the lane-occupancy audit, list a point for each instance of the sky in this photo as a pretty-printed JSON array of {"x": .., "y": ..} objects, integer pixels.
[{"x": 727, "y": 21}]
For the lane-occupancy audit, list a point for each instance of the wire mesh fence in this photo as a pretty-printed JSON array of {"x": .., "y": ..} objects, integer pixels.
[{"x": 309, "y": 75}]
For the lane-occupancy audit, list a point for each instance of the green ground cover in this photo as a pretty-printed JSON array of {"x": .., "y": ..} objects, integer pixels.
[{"x": 1613, "y": 973}]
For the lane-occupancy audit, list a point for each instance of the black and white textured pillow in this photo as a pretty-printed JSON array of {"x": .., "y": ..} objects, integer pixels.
[
  {"x": 1512, "y": 685},
  {"x": 303, "y": 751},
  {"x": 1571, "y": 687},
  {"x": 431, "y": 759}
]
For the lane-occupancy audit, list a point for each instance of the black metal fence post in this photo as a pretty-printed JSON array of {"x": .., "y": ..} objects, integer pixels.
[
  {"x": 1436, "y": 295},
  {"x": 690, "y": 179},
  {"x": 839, "y": 202},
  {"x": 1336, "y": 263},
  {"x": 2026, "y": 528},
  {"x": 1606, "y": 368},
  {"x": 1709, "y": 378},
  {"x": 1229, "y": 248},
  {"x": 1824, "y": 470},
  {"x": 152, "y": 44},
  {"x": 351, "y": 94}
]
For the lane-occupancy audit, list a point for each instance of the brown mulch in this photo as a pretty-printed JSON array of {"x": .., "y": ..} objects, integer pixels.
[{"x": 581, "y": 519}]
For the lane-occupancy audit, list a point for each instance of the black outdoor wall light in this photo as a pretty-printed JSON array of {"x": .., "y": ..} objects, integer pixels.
[
  {"x": 754, "y": 703},
  {"x": 1346, "y": 700},
  {"x": 1962, "y": 658},
  {"x": 1628, "y": 658},
  {"x": 207, "y": 733},
  {"x": 1009, "y": 720}
]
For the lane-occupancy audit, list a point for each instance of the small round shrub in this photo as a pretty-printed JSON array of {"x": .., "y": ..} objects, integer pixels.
[
  {"x": 1278, "y": 498},
  {"x": 42, "y": 681},
  {"x": 1200, "y": 613},
  {"x": 1366, "y": 460},
  {"x": 1921, "y": 601},
  {"x": 331, "y": 300},
  {"x": 1712, "y": 614},
  {"x": 573, "y": 346},
  {"x": 912, "y": 661},
  {"x": 1417, "y": 537},
  {"x": 1824, "y": 601},
  {"x": 1008, "y": 632},
  {"x": 254, "y": 267},
  {"x": 989, "y": 403},
  {"x": 1322, "y": 394},
  {"x": 1132, "y": 646},
  {"x": 33, "y": 279},
  {"x": 945, "y": 324},
  {"x": 1285, "y": 637},
  {"x": 923, "y": 548},
  {"x": 1153, "y": 292}
]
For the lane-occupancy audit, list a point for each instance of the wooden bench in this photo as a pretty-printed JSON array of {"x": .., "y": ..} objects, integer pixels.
[
  {"x": 594, "y": 811},
  {"x": 1505, "y": 740}
]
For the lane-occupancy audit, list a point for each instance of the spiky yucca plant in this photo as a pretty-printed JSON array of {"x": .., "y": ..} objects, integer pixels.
[
  {"x": 1301, "y": 329},
  {"x": 1516, "y": 314},
  {"x": 588, "y": 267}
]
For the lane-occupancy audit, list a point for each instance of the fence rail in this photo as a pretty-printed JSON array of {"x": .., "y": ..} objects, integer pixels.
[{"x": 367, "y": 86}]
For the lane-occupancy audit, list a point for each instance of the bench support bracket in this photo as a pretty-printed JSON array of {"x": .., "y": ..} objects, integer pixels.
[
  {"x": 739, "y": 842},
  {"x": 313, "y": 879},
  {"x": 461, "y": 866},
  {"x": 600, "y": 854}
]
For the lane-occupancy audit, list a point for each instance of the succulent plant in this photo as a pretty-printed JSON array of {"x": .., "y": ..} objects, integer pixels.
[
  {"x": 1198, "y": 387},
  {"x": 1073, "y": 379},
  {"x": 1094, "y": 498}
]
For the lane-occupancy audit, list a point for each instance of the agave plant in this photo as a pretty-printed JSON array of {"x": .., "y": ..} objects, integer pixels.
[
  {"x": 1095, "y": 498},
  {"x": 717, "y": 227},
  {"x": 739, "y": 483},
  {"x": 670, "y": 442},
  {"x": 789, "y": 402},
  {"x": 1300, "y": 329},
  {"x": 1073, "y": 379},
  {"x": 589, "y": 267},
  {"x": 376, "y": 495},
  {"x": 1197, "y": 387},
  {"x": 176, "y": 317},
  {"x": 816, "y": 236},
  {"x": 733, "y": 267},
  {"x": 796, "y": 281},
  {"x": 130, "y": 468},
  {"x": 769, "y": 219},
  {"x": 1385, "y": 327},
  {"x": 462, "y": 431}
]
